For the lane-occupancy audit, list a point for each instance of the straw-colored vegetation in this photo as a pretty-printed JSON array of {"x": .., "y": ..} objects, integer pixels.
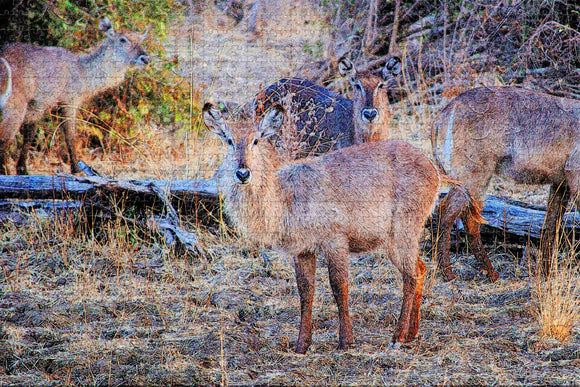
[
  {"x": 558, "y": 294},
  {"x": 102, "y": 303}
]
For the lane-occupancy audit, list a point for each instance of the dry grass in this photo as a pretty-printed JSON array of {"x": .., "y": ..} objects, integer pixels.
[
  {"x": 558, "y": 298},
  {"x": 558, "y": 294},
  {"x": 110, "y": 308}
]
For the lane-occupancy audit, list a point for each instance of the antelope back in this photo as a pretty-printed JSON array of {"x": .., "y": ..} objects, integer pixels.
[{"x": 322, "y": 119}]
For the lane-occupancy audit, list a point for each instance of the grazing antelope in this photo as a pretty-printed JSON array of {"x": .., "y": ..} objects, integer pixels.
[
  {"x": 44, "y": 77},
  {"x": 326, "y": 120},
  {"x": 530, "y": 137},
  {"x": 368, "y": 197},
  {"x": 370, "y": 101}
]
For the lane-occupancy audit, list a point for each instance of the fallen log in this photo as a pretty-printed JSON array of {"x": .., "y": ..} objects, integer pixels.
[
  {"x": 514, "y": 219},
  {"x": 63, "y": 186},
  {"x": 150, "y": 201}
]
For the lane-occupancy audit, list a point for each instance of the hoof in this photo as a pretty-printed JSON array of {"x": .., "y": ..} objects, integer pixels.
[
  {"x": 448, "y": 274},
  {"x": 267, "y": 263},
  {"x": 492, "y": 275},
  {"x": 301, "y": 348},
  {"x": 344, "y": 346},
  {"x": 395, "y": 346}
]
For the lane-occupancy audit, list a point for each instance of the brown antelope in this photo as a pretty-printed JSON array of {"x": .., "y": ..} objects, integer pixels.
[
  {"x": 370, "y": 101},
  {"x": 44, "y": 77},
  {"x": 368, "y": 197},
  {"x": 6, "y": 81},
  {"x": 326, "y": 120},
  {"x": 530, "y": 137}
]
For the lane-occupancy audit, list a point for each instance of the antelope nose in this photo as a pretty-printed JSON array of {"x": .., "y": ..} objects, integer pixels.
[
  {"x": 143, "y": 59},
  {"x": 243, "y": 175},
  {"x": 369, "y": 114}
]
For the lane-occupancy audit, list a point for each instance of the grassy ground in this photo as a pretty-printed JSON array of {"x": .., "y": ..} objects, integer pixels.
[
  {"x": 121, "y": 311},
  {"x": 110, "y": 307}
]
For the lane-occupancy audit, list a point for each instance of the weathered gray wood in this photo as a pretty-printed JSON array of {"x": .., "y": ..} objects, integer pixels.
[
  {"x": 502, "y": 215},
  {"x": 42, "y": 187},
  {"x": 519, "y": 218},
  {"x": 89, "y": 190},
  {"x": 68, "y": 186}
]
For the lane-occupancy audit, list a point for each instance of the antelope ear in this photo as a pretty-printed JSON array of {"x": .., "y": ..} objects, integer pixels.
[
  {"x": 272, "y": 120},
  {"x": 392, "y": 68},
  {"x": 346, "y": 68},
  {"x": 106, "y": 26},
  {"x": 144, "y": 35},
  {"x": 214, "y": 120}
]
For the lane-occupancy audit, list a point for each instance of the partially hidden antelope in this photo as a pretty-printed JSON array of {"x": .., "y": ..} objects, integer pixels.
[
  {"x": 325, "y": 120},
  {"x": 370, "y": 100},
  {"x": 5, "y": 82},
  {"x": 368, "y": 197},
  {"x": 524, "y": 135},
  {"x": 44, "y": 77}
]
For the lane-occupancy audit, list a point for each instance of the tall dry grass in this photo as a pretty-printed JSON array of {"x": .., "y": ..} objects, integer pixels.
[{"x": 557, "y": 294}]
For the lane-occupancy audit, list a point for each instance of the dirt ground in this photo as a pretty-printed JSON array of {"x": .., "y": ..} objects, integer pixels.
[{"x": 119, "y": 309}]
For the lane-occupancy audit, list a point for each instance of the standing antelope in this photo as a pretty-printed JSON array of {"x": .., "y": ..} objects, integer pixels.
[
  {"x": 326, "y": 120},
  {"x": 44, "y": 77},
  {"x": 530, "y": 137},
  {"x": 369, "y": 197},
  {"x": 6, "y": 81},
  {"x": 370, "y": 103}
]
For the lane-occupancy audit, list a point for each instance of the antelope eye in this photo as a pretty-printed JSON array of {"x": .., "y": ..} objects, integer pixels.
[
  {"x": 255, "y": 142},
  {"x": 358, "y": 86},
  {"x": 230, "y": 142},
  {"x": 123, "y": 40}
]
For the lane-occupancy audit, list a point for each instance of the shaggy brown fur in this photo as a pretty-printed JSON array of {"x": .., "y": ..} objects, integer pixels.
[
  {"x": 531, "y": 137},
  {"x": 369, "y": 197},
  {"x": 43, "y": 77},
  {"x": 370, "y": 101}
]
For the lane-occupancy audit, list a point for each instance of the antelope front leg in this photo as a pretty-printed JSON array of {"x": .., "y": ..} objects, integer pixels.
[
  {"x": 305, "y": 267},
  {"x": 557, "y": 202},
  {"x": 476, "y": 246},
  {"x": 416, "y": 309},
  {"x": 448, "y": 212},
  {"x": 70, "y": 137},
  {"x": 11, "y": 119},
  {"x": 4, "y": 156},
  {"x": 27, "y": 130},
  {"x": 338, "y": 276},
  {"x": 402, "y": 329}
]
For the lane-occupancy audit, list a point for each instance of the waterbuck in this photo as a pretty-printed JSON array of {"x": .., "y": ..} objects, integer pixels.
[
  {"x": 326, "y": 120},
  {"x": 44, "y": 77},
  {"x": 5, "y": 82},
  {"x": 370, "y": 101},
  {"x": 530, "y": 137},
  {"x": 368, "y": 197}
]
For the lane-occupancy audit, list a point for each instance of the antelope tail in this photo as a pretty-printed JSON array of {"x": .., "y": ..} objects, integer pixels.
[
  {"x": 6, "y": 94},
  {"x": 474, "y": 208}
]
